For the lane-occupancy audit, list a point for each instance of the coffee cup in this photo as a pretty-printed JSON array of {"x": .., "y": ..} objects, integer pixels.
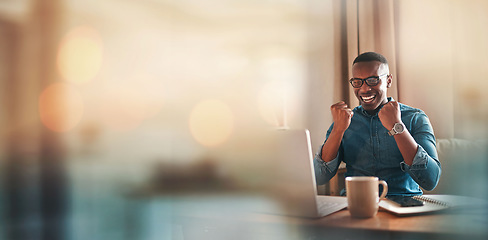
[{"x": 363, "y": 195}]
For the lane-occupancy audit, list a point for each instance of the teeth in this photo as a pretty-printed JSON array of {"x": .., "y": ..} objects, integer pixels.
[{"x": 368, "y": 99}]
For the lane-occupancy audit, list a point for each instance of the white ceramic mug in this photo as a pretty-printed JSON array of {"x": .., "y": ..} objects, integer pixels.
[{"x": 363, "y": 195}]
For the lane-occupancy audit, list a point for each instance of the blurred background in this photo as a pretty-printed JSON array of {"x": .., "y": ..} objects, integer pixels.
[{"x": 115, "y": 113}]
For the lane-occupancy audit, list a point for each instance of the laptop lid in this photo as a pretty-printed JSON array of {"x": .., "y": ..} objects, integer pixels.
[{"x": 293, "y": 178}]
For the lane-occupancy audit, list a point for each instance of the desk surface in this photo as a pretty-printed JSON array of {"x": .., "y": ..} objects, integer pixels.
[
  {"x": 439, "y": 223},
  {"x": 229, "y": 214}
]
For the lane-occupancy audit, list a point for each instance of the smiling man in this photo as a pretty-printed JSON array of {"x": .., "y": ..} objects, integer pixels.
[{"x": 381, "y": 137}]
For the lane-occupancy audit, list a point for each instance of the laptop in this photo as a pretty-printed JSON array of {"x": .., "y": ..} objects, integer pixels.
[{"x": 294, "y": 185}]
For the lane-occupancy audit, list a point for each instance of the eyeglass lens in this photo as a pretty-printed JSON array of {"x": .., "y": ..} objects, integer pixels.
[{"x": 371, "y": 81}]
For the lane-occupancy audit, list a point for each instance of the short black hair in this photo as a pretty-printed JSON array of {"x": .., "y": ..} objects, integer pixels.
[{"x": 370, "y": 56}]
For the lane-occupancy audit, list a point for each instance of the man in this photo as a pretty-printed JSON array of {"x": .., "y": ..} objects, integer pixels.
[{"x": 381, "y": 137}]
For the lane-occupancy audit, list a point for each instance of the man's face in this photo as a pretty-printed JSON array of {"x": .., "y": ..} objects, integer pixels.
[{"x": 371, "y": 97}]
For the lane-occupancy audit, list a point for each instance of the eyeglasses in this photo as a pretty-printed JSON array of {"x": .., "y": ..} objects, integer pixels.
[{"x": 370, "y": 81}]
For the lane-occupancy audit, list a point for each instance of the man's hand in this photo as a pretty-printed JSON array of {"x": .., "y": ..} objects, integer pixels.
[
  {"x": 390, "y": 114},
  {"x": 341, "y": 114}
]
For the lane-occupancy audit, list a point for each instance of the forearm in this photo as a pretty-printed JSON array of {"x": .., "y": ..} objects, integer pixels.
[
  {"x": 331, "y": 146},
  {"x": 407, "y": 146}
]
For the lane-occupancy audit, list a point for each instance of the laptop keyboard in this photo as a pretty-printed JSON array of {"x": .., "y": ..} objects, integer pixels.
[
  {"x": 322, "y": 206},
  {"x": 326, "y": 206}
]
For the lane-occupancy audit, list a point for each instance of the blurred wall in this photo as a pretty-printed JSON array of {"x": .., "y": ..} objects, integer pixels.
[{"x": 442, "y": 64}]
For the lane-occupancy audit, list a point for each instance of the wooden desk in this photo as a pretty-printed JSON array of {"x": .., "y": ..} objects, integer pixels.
[
  {"x": 226, "y": 217},
  {"x": 454, "y": 225}
]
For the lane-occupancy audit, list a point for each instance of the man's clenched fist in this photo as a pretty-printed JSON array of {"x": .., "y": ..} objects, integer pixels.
[
  {"x": 390, "y": 114},
  {"x": 341, "y": 114}
]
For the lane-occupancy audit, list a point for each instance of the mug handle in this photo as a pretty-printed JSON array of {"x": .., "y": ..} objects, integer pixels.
[{"x": 385, "y": 189}]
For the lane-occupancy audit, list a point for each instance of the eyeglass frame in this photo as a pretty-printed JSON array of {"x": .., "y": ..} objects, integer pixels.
[{"x": 364, "y": 80}]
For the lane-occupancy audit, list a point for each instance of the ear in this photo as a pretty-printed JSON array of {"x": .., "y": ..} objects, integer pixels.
[{"x": 389, "y": 80}]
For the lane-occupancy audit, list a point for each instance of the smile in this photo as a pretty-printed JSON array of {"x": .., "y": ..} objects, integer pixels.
[{"x": 368, "y": 99}]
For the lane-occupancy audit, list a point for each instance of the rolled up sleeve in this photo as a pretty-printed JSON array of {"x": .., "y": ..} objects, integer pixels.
[
  {"x": 424, "y": 170},
  {"x": 324, "y": 171}
]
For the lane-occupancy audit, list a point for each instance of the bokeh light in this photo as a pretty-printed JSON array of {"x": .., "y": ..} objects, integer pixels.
[
  {"x": 80, "y": 55},
  {"x": 60, "y": 107},
  {"x": 211, "y": 122},
  {"x": 126, "y": 106}
]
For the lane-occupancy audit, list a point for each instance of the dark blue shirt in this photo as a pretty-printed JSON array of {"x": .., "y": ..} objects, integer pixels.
[{"x": 368, "y": 150}]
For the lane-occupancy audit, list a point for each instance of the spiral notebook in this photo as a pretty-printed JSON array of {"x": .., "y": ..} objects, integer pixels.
[{"x": 434, "y": 203}]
